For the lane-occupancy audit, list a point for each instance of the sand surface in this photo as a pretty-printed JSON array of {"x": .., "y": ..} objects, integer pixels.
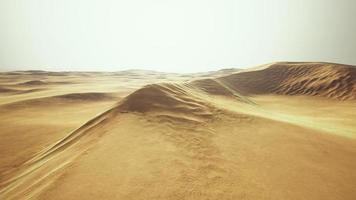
[{"x": 279, "y": 131}]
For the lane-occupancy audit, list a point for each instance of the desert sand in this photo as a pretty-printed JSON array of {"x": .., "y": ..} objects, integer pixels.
[{"x": 278, "y": 131}]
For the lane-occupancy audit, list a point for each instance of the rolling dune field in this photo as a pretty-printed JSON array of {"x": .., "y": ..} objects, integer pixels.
[{"x": 280, "y": 131}]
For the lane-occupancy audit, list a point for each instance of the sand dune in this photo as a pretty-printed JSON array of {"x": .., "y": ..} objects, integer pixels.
[
  {"x": 170, "y": 97},
  {"x": 33, "y": 82},
  {"x": 253, "y": 134},
  {"x": 316, "y": 79},
  {"x": 212, "y": 86},
  {"x": 7, "y": 90},
  {"x": 62, "y": 99},
  {"x": 11, "y": 91},
  {"x": 90, "y": 96}
]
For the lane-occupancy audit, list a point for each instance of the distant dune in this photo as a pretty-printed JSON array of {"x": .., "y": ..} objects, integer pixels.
[
  {"x": 33, "y": 82},
  {"x": 90, "y": 96},
  {"x": 6, "y": 90},
  {"x": 312, "y": 79},
  {"x": 316, "y": 79},
  {"x": 62, "y": 100},
  {"x": 12, "y": 91}
]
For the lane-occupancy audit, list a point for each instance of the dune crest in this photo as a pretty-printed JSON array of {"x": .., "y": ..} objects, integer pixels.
[{"x": 168, "y": 101}]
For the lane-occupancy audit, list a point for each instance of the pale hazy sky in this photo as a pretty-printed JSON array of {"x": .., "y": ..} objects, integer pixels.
[{"x": 173, "y": 35}]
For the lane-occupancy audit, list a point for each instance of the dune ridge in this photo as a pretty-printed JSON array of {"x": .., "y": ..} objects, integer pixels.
[
  {"x": 46, "y": 164},
  {"x": 160, "y": 97},
  {"x": 334, "y": 81},
  {"x": 172, "y": 103},
  {"x": 169, "y": 101}
]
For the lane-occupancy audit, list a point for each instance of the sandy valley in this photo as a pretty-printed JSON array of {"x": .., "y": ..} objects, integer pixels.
[{"x": 278, "y": 131}]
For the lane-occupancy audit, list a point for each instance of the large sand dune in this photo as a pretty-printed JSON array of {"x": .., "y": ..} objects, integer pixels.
[
  {"x": 282, "y": 131},
  {"x": 316, "y": 79}
]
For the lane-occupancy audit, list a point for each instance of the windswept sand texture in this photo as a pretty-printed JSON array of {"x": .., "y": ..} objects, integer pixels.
[{"x": 280, "y": 131}]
